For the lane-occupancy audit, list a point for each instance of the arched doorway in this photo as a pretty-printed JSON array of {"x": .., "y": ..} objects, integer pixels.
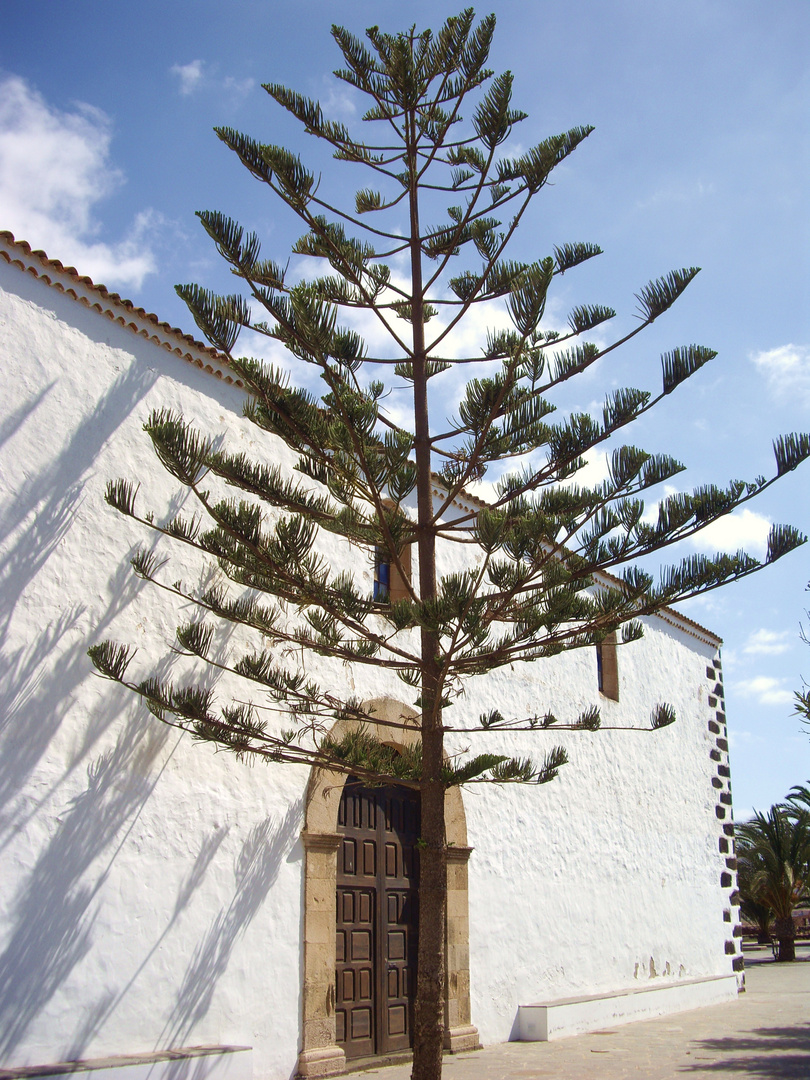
[{"x": 321, "y": 1055}]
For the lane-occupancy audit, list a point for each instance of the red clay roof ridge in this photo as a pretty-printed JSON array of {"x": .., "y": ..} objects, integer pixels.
[{"x": 172, "y": 337}]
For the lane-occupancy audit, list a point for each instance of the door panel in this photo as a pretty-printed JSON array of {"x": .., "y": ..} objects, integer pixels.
[
  {"x": 354, "y": 955},
  {"x": 377, "y": 919}
]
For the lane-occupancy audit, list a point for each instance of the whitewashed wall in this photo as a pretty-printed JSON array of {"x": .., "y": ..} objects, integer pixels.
[
  {"x": 611, "y": 875},
  {"x": 151, "y": 889}
]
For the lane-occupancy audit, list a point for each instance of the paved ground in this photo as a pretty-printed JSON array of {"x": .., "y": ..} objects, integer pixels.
[{"x": 765, "y": 1034}]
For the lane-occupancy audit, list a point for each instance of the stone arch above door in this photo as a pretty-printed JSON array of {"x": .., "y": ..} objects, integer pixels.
[{"x": 320, "y": 1055}]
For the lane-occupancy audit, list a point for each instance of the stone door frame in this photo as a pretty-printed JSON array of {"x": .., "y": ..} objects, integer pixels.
[{"x": 320, "y": 1055}]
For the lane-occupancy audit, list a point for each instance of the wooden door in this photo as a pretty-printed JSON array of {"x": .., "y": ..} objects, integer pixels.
[{"x": 377, "y": 918}]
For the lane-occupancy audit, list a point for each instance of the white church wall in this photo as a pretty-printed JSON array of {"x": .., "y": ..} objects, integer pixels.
[
  {"x": 152, "y": 889},
  {"x": 612, "y": 876}
]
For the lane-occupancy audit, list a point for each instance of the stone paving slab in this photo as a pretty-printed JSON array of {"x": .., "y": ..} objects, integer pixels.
[{"x": 764, "y": 1034}]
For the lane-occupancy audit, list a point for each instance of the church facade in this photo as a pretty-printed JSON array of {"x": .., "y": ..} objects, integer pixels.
[{"x": 167, "y": 908}]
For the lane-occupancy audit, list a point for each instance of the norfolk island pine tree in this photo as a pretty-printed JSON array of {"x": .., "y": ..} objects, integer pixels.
[{"x": 556, "y": 562}]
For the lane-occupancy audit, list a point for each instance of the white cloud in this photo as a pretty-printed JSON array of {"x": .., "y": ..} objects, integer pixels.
[
  {"x": 743, "y": 738},
  {"x": 594, "y": 472},
  {"x": 743, "y": 529},
  {"x": 468, "y": 338},
  {"x": 238, "y": 88},
  {"x": 786, "y": 370},
  {"x": 767, "y": 642},
  {"x": 197, "y": 75},
  {"x": 339, "y": 100},
  {"x": 190, "y": 76},
  {"x": 677, "y": 193},
  {"x": 54, "y": 169},
  {"x": 765, "y": 690}
]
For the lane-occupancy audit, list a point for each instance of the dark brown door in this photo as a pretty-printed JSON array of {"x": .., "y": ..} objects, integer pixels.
[{"x": 377, "y": 918}]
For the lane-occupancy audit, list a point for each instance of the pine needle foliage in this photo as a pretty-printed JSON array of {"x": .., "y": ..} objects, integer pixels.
[{"x": 555, "y": 560}]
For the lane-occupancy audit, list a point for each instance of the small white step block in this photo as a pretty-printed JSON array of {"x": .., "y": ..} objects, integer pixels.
[{"x": 575, "y": 1016}]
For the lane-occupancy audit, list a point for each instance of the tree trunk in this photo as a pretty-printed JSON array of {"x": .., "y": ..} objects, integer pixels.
[
  {"x": 429, "y": 1012},
  {"x": 428, "y": 1035},
  {"x": 785, "y": 933}
]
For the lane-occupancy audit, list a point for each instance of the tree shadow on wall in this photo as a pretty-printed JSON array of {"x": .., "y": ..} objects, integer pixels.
[
  {"x": 97, "y": 1015},
  {"x": 39, "y": 681},
  {"x": 42, "y": 510},
  {"x": 256, "y": 869},
  {"x": 12, "y": 423},
  {"x": 52, "y": 915},
  {"x": 38, "y": 677},
  {"x": 769, "y": 1053}
]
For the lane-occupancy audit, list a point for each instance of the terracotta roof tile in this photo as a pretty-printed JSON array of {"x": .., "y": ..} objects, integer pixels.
[{"x": 114, "y": 306}]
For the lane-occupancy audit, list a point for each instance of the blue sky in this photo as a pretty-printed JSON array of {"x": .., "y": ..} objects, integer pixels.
[{"x": 700, "y": 157}]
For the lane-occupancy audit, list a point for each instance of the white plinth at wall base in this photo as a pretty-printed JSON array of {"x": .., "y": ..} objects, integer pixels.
[
  {"x": 575, "y": 1016},
  {"x": 199, "y": 1062}
]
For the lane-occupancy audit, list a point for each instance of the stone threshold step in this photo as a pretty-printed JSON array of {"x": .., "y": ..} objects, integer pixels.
[{"x": 227, "y": 1063}]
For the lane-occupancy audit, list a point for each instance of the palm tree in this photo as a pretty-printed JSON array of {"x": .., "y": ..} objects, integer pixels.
[
  {"x": 751, "y": 909},
  {"x": 774, "y": 855},
  {"x": 800, "y": 793}
]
